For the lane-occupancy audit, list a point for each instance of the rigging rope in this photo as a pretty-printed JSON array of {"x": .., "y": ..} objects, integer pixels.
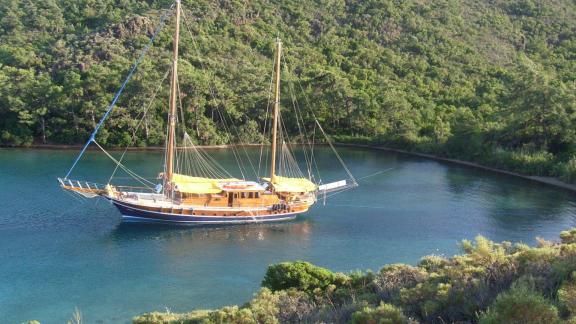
[
  {"x": 117, "y": 96},
  {"x": 140, "y": 179},
  {"x": 337, "y": 155},
  {"x": 301, "y": 128},
  {"x": 354, "y": 182},
  {"x": 266, "y": 119},
  {"x": 140, "y": 123},
  {"x": 215, "y": 100},
  {"x": 205, "y": 164}
]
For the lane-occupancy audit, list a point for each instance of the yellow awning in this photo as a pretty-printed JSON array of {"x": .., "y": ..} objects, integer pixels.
[
  {"x": 284, "y": 184},
  {"x": 198, "y": 185},
  {"x": 197, "y": 188},
  {"x": 179, "y": 178}
]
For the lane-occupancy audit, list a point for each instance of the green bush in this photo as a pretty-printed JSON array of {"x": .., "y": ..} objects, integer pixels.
[
  {"x": 300, "y": 275},
  {"x": 568, "y": 237},
  {"x": 565, "y": 264},
  {"x": 571, "y": 320},
  {"x": 232, "y": 315},
  {"x": 484, "y": 250},
  {"x": 432, "y": 263},
  {"x": 265, "y": 306},
  {"x": 23, "y": 139},
  {"x": 566, "y": 171},
  {"x": 391, "y": 279},
  {"x": 520, "y": 305},
  {"x": 521, "y": 161},
  {"x": 200, "y": 316},
  {"x": 383, "y": 314},
  {"x": 294, "y": 306},
  {"x": 567, "y": 295},
  {"x": 353, "y": 139}
]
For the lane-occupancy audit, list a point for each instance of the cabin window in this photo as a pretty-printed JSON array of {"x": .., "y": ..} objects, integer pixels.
[
  {"x": 243, "y": 195},
  {"x": 250, "y": 195},
  {"x": 235, "y": 195},
  {"x": 256, "y": 195}
]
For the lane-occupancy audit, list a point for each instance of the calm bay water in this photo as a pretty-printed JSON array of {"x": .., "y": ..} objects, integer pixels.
[{"x": 58, "y": 252}]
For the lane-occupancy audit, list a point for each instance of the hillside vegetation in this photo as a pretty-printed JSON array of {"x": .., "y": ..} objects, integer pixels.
[
  {"x": 491, "y": 81},
  {"x": 490, "y": 283}
]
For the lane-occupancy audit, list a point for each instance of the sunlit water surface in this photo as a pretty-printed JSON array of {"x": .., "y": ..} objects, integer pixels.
[{"x": 58, "y": 252}]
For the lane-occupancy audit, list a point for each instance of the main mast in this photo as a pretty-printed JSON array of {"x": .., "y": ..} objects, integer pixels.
[
  {"x": 276, "y": 109},
  {"x": 172, "y": 113}
]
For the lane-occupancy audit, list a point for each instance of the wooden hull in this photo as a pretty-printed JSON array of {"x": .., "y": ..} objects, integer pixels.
[
  {"x": 133, "y": 213},
  {"x": 228, "y": 208}
]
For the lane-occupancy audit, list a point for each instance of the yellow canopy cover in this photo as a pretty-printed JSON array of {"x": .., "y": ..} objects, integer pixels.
[
  {"x": 198, "y": 185},
  {"x": 284, "y": 184}
]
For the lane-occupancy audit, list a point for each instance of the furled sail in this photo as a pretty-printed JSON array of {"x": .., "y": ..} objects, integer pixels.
[
  {"x": 333, "y": 186},
  {"x": 198, "y": 185},
  {"x": 285, "y": 184},
  {"x": 182, "y": 178}
]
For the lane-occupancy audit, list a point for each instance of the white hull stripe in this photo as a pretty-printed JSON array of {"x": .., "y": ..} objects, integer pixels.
[{"x": 247, "y": 221}]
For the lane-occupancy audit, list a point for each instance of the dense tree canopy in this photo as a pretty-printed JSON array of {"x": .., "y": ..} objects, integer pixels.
[{"x": 490, "y": 80}]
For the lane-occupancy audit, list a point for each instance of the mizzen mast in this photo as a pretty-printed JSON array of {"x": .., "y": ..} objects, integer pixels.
[
  {"x": 276, "y": 109},
  {"x": 173, "y": 96}
]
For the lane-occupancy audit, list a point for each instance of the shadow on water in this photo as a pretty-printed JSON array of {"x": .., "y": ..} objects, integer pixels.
[
  {"x": 532, "y": 207},
  {"x": 509, "y": 201}
]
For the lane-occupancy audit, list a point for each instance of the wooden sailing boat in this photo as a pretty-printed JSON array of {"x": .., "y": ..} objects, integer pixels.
[{"x": 192, "y": 199}]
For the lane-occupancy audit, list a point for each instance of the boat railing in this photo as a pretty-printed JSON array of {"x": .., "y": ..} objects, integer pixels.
[
  {"x": 77, "y": 184},
  {"x": 135, "y": 189}
]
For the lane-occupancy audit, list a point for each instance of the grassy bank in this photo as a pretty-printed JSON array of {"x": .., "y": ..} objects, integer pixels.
[{"x": 489, "y": 283}]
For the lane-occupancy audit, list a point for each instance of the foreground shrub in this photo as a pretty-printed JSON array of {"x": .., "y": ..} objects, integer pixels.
[
  {"x": 432, "y": 263},
  {"x": 521, "y": 305},
  {"x": 567, "y": 295},
  {"x": 457, "y": 289},
  {"x": 302, "y": 276},
  {"x": 568, "y": 237},
  {"x": 295, "y": 307},
  {"x": 232, "y": 314},
  {"x": 171, "y": 318},
  {"x": 383, "y": 314},
  {"x": 264, "y": 306},
  {"x": 394, "y": 277},
  {"x": 490, "y": 282}
]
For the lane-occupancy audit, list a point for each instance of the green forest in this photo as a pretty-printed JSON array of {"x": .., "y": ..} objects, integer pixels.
[{"x": 490, "y": 81}]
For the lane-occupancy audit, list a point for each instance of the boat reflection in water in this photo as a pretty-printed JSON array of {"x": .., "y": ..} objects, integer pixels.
[{"x": 184, "y": 238}]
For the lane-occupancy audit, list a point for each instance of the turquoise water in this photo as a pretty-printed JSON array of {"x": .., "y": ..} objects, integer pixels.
[{"x": 58, "y": 252}]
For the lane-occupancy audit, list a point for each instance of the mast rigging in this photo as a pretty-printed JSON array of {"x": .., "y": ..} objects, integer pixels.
[
  {"x": 198, "y": 189},
  {"x": 275, "y": 113},
  {"x": 172, "y": 113}
]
